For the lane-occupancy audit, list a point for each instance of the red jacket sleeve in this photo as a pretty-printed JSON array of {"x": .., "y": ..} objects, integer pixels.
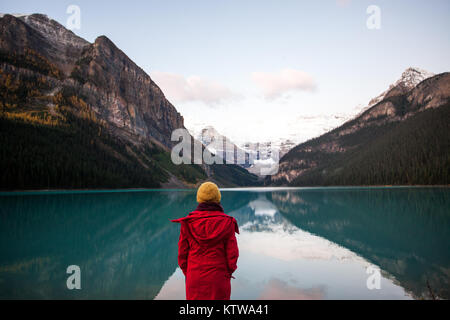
[
  {"x": 183, "y": 249},
  {"x": 232, "y": 251}
]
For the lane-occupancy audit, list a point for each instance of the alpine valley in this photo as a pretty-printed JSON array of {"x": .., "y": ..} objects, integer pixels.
[{"x": 77, "y": 115}]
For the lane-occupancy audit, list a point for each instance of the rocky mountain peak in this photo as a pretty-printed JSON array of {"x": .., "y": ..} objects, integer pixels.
[
  {"x": 53, "y": 30},
  {"x": 42, "y": 35},
  {"x": 104, "y": 41},
  {"x": 210, "y": 131},
  {"x": 411, "y": 77}
]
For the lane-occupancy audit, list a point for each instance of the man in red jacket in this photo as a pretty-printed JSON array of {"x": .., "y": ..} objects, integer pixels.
[{"x": 207, "y": 248}]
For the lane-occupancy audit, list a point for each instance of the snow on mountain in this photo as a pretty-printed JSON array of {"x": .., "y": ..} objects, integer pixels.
[
  {"x": 410, "y": 78},
  {"x": 17, "y": 15},
  {"x": 55, "y": 32},
  {"x": 220, "y": 145}
]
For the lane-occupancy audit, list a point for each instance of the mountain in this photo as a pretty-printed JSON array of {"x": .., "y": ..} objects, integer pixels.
[
  {"x": 402, "y": 138},
  {"x": 281, "y": 144},
  {"x": 219, "y": 144},
  {"x": 252, "y": 156},
  {"x": 118, "y": 90},
  {"x": 410, "y": 78},
  {"x": 76, "y": 114}
]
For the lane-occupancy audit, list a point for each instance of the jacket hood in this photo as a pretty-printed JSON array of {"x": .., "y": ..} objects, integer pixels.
[{"x": 208, "y": 227}]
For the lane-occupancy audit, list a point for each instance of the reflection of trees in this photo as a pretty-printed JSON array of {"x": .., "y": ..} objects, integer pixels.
[
  {"x": 404, "y": 231},
  {"x": 124, "y": 243}
]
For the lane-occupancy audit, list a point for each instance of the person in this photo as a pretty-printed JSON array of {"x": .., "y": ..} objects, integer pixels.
[{"x": 207, "y": 247}]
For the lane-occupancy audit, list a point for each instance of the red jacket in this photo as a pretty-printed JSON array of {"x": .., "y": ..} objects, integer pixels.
[{"x": 207, "y": 254}]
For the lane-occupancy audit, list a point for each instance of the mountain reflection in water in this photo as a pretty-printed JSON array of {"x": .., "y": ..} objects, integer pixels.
[{"x": 294, "y": 244}]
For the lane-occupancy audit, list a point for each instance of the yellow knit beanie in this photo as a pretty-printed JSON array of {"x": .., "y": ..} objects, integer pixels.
[{"x": 208, "y": 191}]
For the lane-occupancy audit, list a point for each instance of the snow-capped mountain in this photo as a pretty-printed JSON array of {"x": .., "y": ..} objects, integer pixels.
[
  {"x": 410, "y": 78},
  {"x": 266, "y": 148},
  {"x": 257, "y": 157},
  {"x": 254, "y": 156},
  {"x": 221, "y": 145}
]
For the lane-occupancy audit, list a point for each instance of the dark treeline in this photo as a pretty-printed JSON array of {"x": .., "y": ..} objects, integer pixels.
[
  {"x": 39, "y": 156},
  {"x": 414, "y": 151}
]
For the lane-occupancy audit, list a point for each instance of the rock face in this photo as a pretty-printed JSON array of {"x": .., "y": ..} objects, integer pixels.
[
  {"x": 118, "y": 91},
  {"x": 124, "y": 94},
  {"x": 414, "y": 93}
]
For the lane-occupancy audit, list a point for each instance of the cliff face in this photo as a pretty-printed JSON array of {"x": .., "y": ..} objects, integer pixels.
[
  {"x": 123, "y": 93},
  {"x": 117, "y": 90},
  {"x": 404, "y": 111}
]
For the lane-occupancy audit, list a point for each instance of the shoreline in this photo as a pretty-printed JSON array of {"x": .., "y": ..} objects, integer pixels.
[{"x": 224, "y": 189}]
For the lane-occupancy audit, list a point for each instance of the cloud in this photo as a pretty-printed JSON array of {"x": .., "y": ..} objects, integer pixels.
[
  {"x": 343, "y": 3},
  {"x": 275, "y": 84},
  {"x": 280, "y": 290},
  {"x": 179, "y": 89}
]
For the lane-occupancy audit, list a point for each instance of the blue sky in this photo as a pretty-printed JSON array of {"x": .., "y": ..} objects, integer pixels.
[{"x": 213, "y": 51}]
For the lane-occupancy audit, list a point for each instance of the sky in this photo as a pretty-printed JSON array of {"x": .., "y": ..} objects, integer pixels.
[{"x": 250, "y": 67}]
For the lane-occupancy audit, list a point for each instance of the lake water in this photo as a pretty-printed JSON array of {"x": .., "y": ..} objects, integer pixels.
[{"x": 302, "y": 243}]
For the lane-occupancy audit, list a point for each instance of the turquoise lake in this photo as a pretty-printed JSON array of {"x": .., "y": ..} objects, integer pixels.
[{"x": 295, "y": 243}]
